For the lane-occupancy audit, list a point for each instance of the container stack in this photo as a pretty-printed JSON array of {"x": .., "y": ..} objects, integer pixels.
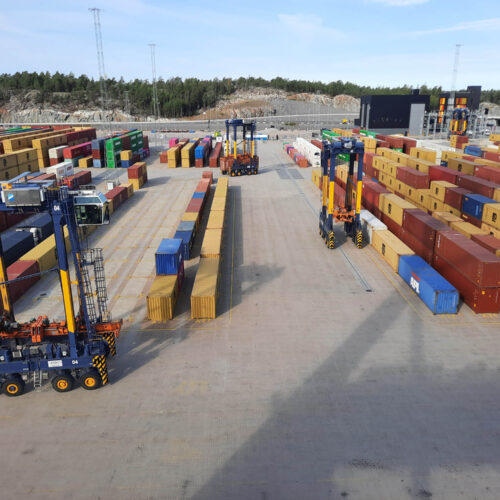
[
  {"x": 187, "y": 154},
  {"x": 163, "y": 294},
  {"x": 205, "y": 288},
  {"x": 138, "y": 175},
  {"x": 79, "y": 152},
  {"x": 98, "y": 153},
  {"x": 311, "y": 152},
  {"x": 213, "y": 160},
  {"x": 61, "y": 170},
  {"x": 82, "y": 178},
  {"x": 56, "y": 155},
  {"x": 117, "y": 196},
  {"x": 202, "y": 151}
]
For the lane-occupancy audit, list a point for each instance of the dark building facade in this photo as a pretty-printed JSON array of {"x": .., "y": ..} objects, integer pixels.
[{"x": 392, "y": 112}]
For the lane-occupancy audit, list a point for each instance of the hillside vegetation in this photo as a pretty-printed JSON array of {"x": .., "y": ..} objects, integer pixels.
[{"x": 178, "y": 97}]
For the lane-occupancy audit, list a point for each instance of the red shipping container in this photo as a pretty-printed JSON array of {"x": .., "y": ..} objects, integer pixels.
[
  {"x": 208, "y": 175},
  {"x": 454, "y": 196},
  {"x": 19, "y": 269},
  {"x": 473, "y": 261},
  {"x": 488, "y": 173},
  {"x": 408, "y": 144},
  {"x": 339, "y": 195},
  {"x": 471, "y": 219},
  {"x": 195, "y": 205},
  {"x": 416, "y": 245},
  {"x": 368, "y": 160},
  {"x": 371, "y": 192},
  {"x": 421, "y": 225},
  {"x": 145, "y": 141},
  {"x": 393, "y": 226},
  {"x": 198, "y": 162},
  {"x": 488, "y": 155},
  {"x": 317, "y": 143},
  {"x": 440, "y": 173},
  {"x": 84, "y": 149},
  {"x": 489, "y": 242},
  {"x": 96, "y": 154},
  {"x": 46, "y": 177},
  {"x": 382, "y": 144},
  {"x": 477, "y": 185},
  {"x": 135, "y": 171},
  {"x": 395, "y": 142},
  {"x": 412, "y": 177},
  {"x": 479, "y": 299},
  {"x": 164, "y": 157}
]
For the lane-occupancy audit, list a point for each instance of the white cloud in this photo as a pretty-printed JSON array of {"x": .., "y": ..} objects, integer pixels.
[
  {"x": 480, "y": 25},
  {"x": 398, "y": 3},
  {"x": 307, "y": 25}
]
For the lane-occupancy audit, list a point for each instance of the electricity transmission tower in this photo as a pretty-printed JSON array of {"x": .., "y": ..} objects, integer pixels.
[
  {"x": 100, "y": 56},
  {"x": 451, "y": 102},
  {"x": 126, "y": 98},
  {"x": 156, "y": 103}
]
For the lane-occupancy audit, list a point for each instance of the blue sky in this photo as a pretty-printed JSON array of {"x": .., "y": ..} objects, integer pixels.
[{"x": 372, "y": 42}]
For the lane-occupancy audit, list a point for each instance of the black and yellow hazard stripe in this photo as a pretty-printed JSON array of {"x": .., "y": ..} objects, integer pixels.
[
  {"x": 359, "y": 239},
  {"x": 331, "y": 239},
  {"x": 99, "y": 362},
  {"x": 111, "y": 340}
]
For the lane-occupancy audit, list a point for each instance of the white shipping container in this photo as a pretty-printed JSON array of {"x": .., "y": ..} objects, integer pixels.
[
  {"x": 62, "y": 170},
  {"x": 370, "y": 223},
  {"x": 310, "y": 151},
  {"x": 57, "y": 152}
]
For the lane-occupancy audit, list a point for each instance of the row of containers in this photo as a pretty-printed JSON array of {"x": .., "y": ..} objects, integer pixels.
[
  {"x": 29, "y": 151},
  {"x": 206, "y": 284},
  {"x": 29, "y": 244},
  {"x": 417, "y": 206},
  {"x": 171, "y": 255},
  {"x": 194, "y": 152}
]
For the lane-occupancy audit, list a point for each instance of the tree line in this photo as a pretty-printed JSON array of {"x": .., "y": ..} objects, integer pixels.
[{"x": 178, "y": 97}]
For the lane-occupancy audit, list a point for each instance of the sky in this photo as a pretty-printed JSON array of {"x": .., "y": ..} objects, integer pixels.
[{"x": 368, "y": 42}]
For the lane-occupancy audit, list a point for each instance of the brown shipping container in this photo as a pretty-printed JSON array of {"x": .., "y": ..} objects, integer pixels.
[
  {"x": 195, "y": 205},
  {"x": 479, "y": 299},
  {"x": 438, "y": 189},
  {"x": 416, "y": 245},
  {"x": 488, "y": 173},
  {"x": 423, "y": 226},
  {"x": 413, "y": 178},
  {"x": 471, "y": 220},
  {"x": 488, "y": 241},
  {"x": 454, "y": 196},
  {"x": 19, "y": 269},
  {"x": 476, "y": 185},
  {"x": 474, "y": 261},
  {"x": 371, "y": 192},
  {"x": 392, "y": 226}
]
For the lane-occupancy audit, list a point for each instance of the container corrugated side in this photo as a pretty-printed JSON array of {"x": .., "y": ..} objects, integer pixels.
[
  {"x": 205, "y": 289},
  {"x": 191, "y": 216},
  {"x": 216, "y": 219},
  {"x": 440, "y": 296},
  {"x": 168, "y": 256},
  {"x": 390, "y": 247},
  {"x": 211, "y": 244},
  {"x": 218, "y": 204},
  {"x": 162, "y": 297}
]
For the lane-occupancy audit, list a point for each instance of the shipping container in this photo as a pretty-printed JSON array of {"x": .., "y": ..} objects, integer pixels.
[
  {"x": 212, "y": 243},
  {"x": 439, "y": 188},
  {"x": 20, "y": 269},
  {"x": 162, "y": 298},
  {"x": 205, "y": 289},
  {"x": 393, "y": 206},
  {"x": 187, "y": 238},
  {"x": 191, "y": 217},
  {"x": 216, "y": 219},
  {"x": 369, "y": 224},
  {"x": 40, "y": 226},
  {"x": 487, "y": 241},
  {"x": 491, "y": 214},
  {"x": 15, "y": 244},
  {"x": 390, "y": 247},
  {"x": 423, "y": 226},
  {"x": 479, "y": 298},
  {"x": 195, "y": 205},
  {"x": 168, "y": 256},
  {"x": 473, "y": 261},
  {"x": 440, "y": 296},
  {"x": 218, "y": 204},
  {"x": 477, "y": 185},
  {"x": 454, "y": 197}
]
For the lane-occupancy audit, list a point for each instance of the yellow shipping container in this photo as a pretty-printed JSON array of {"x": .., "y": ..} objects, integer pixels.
[
  {"x": 393, "y": 206},
  {"x": 86, "y": 162},
  {"x": 222, "y": 182},
  {"x": 137, "y": 183},
  {"x": 446, "y": 217},
  {"x": 378, "y": 162},
  {"x": 402, "y": 188},
  {"x": 438, "y": 189},
  {"x": 491, "y": 214},
  {"x": 466, "y": 228},
  {"x": 25, "y": 155},
  {"x": 494, "y": 137},
  {"x": 451, "y": 210},
  {"x": 8, "y": 160},
  {"x": 369, "y": 142},
  {"x": 192, "y": 216},
  {"x": 130, "y": 188},
  {"x": 187, "y": 155},
  {"x": 44, "y": 253},
  {"x": 490, "y": 163},
  {"x": 420, "y": 165},
  {"x": 496, "y": 195},
  {"x": 221, "y": 192},
  {"x": 162, "y": 297},
  {"x": 401, "y": 158},
  {"x": 126, "y": 155},
  {"x": 412, "y": 193},
  {"x": 205, "y": 290},
  {"x": 461, "y": 165},
  {"x": 424, "y": 154},
  {"x": 493, "y": 231},
  {"x": 390, "y": 247},
  {"x": 111, "y": 207},
  {"x": 212, "y": 243},
  {"x": 434, "y": 205},
  {"x": 9, "y": 173},
  {"x": 392, "y": 168},
  {"x": 218, "y": 204},
  {"x": 216, "y": 220},
  {"x": 173, "y": 157}
]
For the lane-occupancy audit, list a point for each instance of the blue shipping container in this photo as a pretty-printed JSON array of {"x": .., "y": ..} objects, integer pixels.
[
  {"x": 42, "y": 222},
  {"x": 473, "y": 204},
  {"x": 187, "y": 238},
  {"x": 186, "y": 225},
  {"x": 473, "y": 150},
  {"x": 198, "y": 195},
  {"x": 15, "y": 244},
  {"x": 97, "y": 163},
  {"x": 440, "y": 296},
  {"x": 169, "y": 256}
]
